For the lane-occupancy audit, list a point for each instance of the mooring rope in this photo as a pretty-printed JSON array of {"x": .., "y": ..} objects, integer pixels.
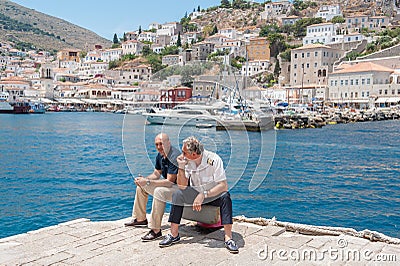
[{"x": 320, "y": 230}]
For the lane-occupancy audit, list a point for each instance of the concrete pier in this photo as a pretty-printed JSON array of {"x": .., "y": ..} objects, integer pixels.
[{"x": 82, "y": 242}]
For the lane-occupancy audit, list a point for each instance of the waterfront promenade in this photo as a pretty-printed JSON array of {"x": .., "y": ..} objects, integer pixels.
[{"x": 82, "y": 242}]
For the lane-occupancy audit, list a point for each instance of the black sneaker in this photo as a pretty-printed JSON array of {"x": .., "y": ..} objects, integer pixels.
[
  {"x": 231, "y": 246},
  {"x": 169, "y": 240},
  {"x": 150, "y": 236}
]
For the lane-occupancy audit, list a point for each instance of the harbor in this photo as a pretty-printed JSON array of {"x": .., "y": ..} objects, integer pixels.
[{"x": 84, "y": 242}]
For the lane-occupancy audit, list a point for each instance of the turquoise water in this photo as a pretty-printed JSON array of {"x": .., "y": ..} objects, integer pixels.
[{"x": 62, "y": 166}]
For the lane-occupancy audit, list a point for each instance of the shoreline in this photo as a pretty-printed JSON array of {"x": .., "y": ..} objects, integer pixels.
[{"x": 333, "y": 117}]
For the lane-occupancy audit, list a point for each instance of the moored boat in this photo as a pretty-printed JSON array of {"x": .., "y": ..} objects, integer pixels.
[
  {"x": 238, "y": 122},
  {"x": 180, "y": 116},
  {"x": 37, "y": 108}
]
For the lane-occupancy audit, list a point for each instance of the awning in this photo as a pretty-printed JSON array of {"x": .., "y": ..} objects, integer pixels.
[{"x": 388, "y": 100}]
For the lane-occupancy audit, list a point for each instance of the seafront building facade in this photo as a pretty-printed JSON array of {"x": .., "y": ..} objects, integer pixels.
[{"x": 315, "y": 71}]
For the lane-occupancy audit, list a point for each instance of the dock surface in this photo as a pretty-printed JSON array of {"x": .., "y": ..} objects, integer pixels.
[{"x": 83, "y": 242}]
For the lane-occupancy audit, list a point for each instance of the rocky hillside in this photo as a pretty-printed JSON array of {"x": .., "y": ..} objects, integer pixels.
[
  {"x": 250, "y": 17},
  {"x": 232, "y": 18},
  {"x": 25, "y": 27}
]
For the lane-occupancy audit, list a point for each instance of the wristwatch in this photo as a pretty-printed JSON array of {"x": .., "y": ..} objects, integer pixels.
[
  {"x": 205, "y": 192},
  {"x": 148, "y": 182}
]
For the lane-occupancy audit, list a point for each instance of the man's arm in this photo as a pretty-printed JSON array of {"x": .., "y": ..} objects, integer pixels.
[
  {"x": 221, "y": 187},
  {"x": 182, "y": 180},
  {"x": 155, "y": 180}
]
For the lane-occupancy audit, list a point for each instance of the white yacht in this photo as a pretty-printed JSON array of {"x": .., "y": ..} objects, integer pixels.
[{"x": 182, "y": 115}]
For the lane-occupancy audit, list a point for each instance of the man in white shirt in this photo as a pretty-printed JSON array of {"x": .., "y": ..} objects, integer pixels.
[{"x": 202, "y": 180}]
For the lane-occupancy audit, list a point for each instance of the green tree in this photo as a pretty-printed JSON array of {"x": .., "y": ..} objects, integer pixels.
[
  {"x": 115, "y": 39},
  {"x": 140, "y": 29},
  {"x": 225, "y": 4},
  {"x": 146, "y": 51},
  {"x": 198, "y": 8},
  {"x": 338, "y": 19},
  {"x": 269, "y": 29},
  {"x": 179, "y": 42},
  {"x": 125, "y": 39}
]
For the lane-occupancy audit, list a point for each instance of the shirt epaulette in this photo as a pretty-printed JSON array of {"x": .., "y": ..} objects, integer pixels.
[{"x": 210, "y": 161}]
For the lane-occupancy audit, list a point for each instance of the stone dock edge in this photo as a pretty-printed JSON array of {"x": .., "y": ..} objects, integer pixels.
[{"x": 85, "y": 242}]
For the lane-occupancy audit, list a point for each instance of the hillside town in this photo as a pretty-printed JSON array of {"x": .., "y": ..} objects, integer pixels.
[{"x": 326, "y": 67}]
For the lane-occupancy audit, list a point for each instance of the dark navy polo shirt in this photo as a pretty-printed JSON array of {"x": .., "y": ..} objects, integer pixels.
[{"x": 168, "y": 165}]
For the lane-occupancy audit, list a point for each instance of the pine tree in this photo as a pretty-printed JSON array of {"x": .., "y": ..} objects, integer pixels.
[
  {"x": 198, "y": 8},
  {"x": 140, "y": 29},
  {"x": 215, "y": 30},
  {"x": 115, "y": 39},
  {"x": 179, "y": 42},
  {"x": 277, "y": 69},
  {"x": 125, "y": 39}
]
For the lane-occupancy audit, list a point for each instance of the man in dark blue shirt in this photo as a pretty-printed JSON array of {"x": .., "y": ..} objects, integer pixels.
[{"x": 161, "y": 188}]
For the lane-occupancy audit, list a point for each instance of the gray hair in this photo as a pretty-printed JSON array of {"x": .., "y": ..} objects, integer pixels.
[{"x": 193, "y": 145}]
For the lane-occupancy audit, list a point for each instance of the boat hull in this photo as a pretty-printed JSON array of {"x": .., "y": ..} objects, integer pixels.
[
  {"x": 178, "y": 120},
  {"x": 264, "y": 123}
]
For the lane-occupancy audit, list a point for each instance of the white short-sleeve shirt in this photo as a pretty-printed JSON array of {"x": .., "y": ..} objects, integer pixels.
[{"x": 207, "y": 174}]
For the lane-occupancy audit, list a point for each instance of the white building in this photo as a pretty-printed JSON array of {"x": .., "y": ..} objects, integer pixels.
[
  {"x": 147, "y": 36},
  {"x": 132, "y": 47},
  {"x": 230, "y": 33},
  {"x": 274, "y": 9},
  {"x": 328, "y": 12},
  {"x": 170, "y": 29},
  {"x": 355, "y": 84},
  {"x": 254, "y": 67},
  {"x": 111, "y": 54},
  {"x": 326, "y": 33}
]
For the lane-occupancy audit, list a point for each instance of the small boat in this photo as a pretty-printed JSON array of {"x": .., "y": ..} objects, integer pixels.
[
  {"x": 37, "y": 108},
  {"x": 204, "y": 125}
]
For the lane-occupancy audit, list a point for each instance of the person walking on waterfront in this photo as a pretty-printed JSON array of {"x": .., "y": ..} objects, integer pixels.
[
  {"x": 161, "y": 188},
  {"x": 202, "y": 180}
]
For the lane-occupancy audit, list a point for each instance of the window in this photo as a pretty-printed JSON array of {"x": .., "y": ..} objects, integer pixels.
[
  {"x": 380, "y": 92},
  {"x": 315, "y": 64},
  {"x": 368, "y": 81},
  {"x": 356, "y": 81},
  {"x": 346, "y": 82},
  {"x": 316, "y": 54},
  {"x": 386, "y": 92},
  {"x": 295, "y": 55},
  {"x": 295, "y": 66},
  {"x": 351, "y": 82},
  {"x": 308, "y": 65},
  {"x": 362, "y": 81},
  {"x": 308, "y": 54}
]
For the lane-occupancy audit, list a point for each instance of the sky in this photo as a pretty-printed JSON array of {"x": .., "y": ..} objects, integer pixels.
[{"x": 108, "y": 17}]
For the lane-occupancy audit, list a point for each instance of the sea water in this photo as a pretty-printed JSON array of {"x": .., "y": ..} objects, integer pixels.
[{"x": 62, "y": 166}]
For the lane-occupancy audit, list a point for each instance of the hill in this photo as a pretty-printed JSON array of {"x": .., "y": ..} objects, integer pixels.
[{"x": 27, "y": 27}]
